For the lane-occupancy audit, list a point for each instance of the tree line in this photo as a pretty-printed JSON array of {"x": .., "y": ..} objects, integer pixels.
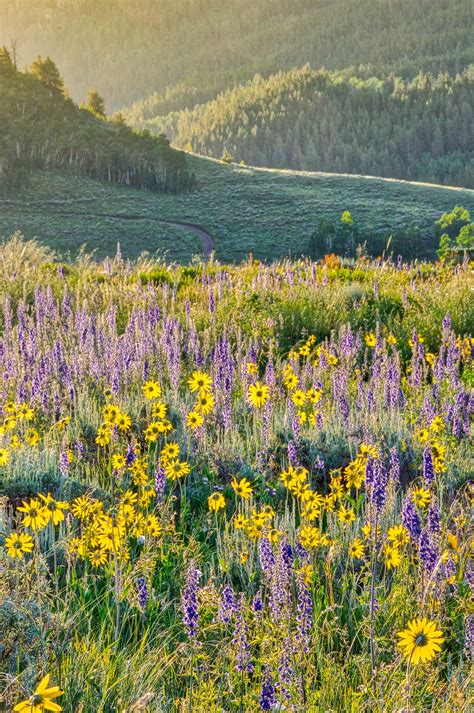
[
  {"x": 343, "y": 122},
  {"x": 42, "y": 128}
]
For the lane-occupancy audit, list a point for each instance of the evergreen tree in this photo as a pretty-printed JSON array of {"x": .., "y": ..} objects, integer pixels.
[
  {"x": 7, "y": 66},
  {"x": 48, "y": 73},
  {"x": 95, "y": 103},
  {"x": 226, "y": 156}
]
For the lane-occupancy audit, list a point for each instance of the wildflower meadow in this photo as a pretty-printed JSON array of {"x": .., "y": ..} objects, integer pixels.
[{"x": 234, "y": 488}]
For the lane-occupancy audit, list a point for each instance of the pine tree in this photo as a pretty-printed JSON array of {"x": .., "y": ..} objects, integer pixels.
[
  {"x": 226, "y": 156},
  {"x": 7, "y": 66},
  {"x": 95, "y": 103},
  {"x": 48, "y": 73}
]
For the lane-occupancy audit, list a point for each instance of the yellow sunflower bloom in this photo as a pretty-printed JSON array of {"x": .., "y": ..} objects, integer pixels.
[
  {"x": 421, "y": 641},
  {"x": 18, "y": 544},
  {"x": 216, "y": 502},
  {"x": 258, "y": 394},
  {"x": 200, "y": 381},
  {"x": 54, "y": 508},
  {"x": 356, "y": 549},
  {"x": 36, "y": 515},
  {"x": 41, "y": 700},
  {"x": 194, "y": 420},
  {"x": 151, "y": 390},
  {"x": 177, "y": 469},
  {"x": 204, "y": 403},
  {"x": 242, "y": 487}
]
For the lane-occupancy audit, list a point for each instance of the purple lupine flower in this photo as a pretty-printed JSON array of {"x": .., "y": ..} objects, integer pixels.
[
  {"x": 270, "y": 376},
  {"x": 450, "y": 571},
  {"x": 394, "y": 468},
  {"x": 227, "y": 605},
  {"x": 446, "y": 324},
  {"x": 370, "y": 472},
  {"x": 305, "y": 611},
  {"x": 428, "y": 468},
  {"x": 319, "y": 463},
  {"x": 130, "y": 456},
  {"x": 142, "y": 592},
  {"x": 302, "y": 552},
  {"x": 287, "y": 554},
  {"x": 410, "y": 519},
  {"x": 267, "y": 413},
  {"x": 434, "y": 519},
  {"x": 257, "y": 604},
  {"x": 189, "y": 600},
  {"x": 280, "y": 587},
  {"x": 427, "y": 551},
  {"x": 292, "y": 453},
  {"x": 295, "y": 425},
  {"x": 379, "y": 486},
  {"x": 267, "y": 692},
  {"x": 266, "y": 555},
  {"x": 285, "y": 671},
  {"x": 469, "y": 575},
  {"x": 240, "y": 640},
  {"x": 79, "y": 446},
  {"x": 64, "y": 462}
]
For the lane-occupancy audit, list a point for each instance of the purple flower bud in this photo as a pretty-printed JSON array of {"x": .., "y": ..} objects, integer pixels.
[
  {"x": 64, "y": 464},
  {"x": 142, "y": 591},
  {"x": 410, "y": 519},
  {"x": 189, "y": 600},
  {"x": 227, "y": 605},
  {"x": 266, "y": 555},
  {"x": 267, "y": 692},
  {"x": 434, "y": 519},
  {"x": 305, "y": 611},
  {"x": 240, "y": 641},
  {"x": 257, "y": 603},
  {"x": 427, "y": 552},
  {"x": 292, "y": 453},
  {"x": 160, "y": 482},
  {"x": 428, "y": 468}
]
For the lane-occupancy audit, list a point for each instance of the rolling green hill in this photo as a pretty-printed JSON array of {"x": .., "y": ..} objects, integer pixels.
[
  {"x": 334, "y": 121},
  {"x": 269, "y": 213},
  {"x": 129, "y": 50}
]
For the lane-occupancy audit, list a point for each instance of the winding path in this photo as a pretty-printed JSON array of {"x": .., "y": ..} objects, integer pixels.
[{"x": 208, "y": 242}]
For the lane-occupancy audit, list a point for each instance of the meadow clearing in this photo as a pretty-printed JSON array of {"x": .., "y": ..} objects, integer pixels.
[
  {"x": 269, "y": 213},
  {"x": 234, "y": 488}
]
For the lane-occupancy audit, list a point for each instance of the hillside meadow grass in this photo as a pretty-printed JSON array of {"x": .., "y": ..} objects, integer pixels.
[
  {"x": 234, "y": 488},
  {"x": 268, "y": 213}
]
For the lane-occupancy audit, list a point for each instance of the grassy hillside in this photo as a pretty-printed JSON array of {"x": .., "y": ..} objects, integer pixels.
[
  {"x": 334, "y": 121},
  {"x": 269, "y": 213},
  {"x": 130, "y": 49}
]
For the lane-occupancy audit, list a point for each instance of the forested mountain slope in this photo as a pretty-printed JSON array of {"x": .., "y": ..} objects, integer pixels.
[
  {"x": 41, "y": 128},
  {"x": 130, "y": 49},
  {"x": 419, "y": 129}
]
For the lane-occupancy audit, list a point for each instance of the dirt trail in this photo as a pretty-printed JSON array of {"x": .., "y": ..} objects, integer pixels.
[{"x": 208, "y": 243}]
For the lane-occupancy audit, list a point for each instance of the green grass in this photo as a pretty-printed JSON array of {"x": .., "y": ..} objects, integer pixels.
[{"x": 267, "y": 212}]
